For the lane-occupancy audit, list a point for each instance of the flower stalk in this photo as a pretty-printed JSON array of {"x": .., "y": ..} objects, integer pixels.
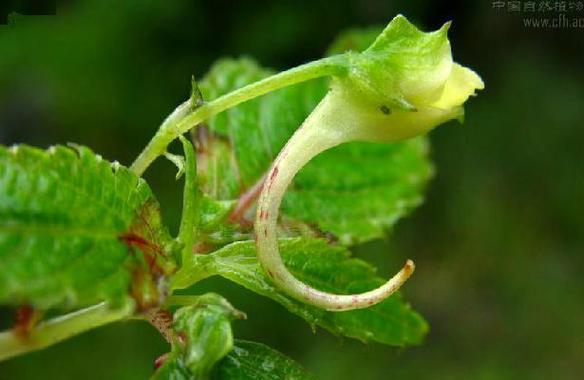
[{"x": 184, "y": 118}]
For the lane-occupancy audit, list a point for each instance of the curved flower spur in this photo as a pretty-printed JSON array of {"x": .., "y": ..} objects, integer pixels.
[{"x": 403, "y": 85}]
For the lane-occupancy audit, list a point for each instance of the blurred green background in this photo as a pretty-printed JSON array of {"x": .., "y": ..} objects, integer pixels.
[{"x": 498, "y": 243}]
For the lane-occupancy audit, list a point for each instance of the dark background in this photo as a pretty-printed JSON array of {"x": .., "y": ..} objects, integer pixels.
[{"x": 498, "y": 243}]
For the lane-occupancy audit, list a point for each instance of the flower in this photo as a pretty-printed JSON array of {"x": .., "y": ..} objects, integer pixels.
[{"x": 404, "y": 84}]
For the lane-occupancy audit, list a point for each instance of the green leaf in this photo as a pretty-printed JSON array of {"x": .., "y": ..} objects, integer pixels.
[
  {"x": 256, "y": 361},
  {"x": 329, "y": 268},
  {"x": 246, "y": 361},
  {"x": 214, "y": 230},
  {"x": 245, "y": 139},
  {"x": 359, "y": 190},
  {"x": 355, "y": 191},
  {"x": 76, "y": 229}
]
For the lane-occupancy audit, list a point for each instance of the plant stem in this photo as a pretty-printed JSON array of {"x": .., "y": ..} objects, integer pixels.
[
  {"x": 197, "y": 268},
  {"x": 181, "y": 300},
  {"x": 61, "y": 328},
  {"x": 162, "y": 321},
  {"x": 179, "y": 122}
]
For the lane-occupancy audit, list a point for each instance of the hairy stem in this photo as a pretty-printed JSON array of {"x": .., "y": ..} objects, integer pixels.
[
  {"x": 180, "y": 122},
  {"x": 162, "y": 321},
  {"x": 330, "y": 124},
  {"x": 61, "y": 328}
]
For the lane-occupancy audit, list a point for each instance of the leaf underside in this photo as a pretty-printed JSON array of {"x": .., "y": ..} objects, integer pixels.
[{"x": 74, "y": 228}]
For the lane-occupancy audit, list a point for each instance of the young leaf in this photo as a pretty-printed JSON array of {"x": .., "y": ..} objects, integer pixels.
[
  {"x": 75, "y": 230},
  {"x": 206, "y": 330},
  {"x": 202, "y": 337},
  {"x": 256, "y": 361},
  {"x": 354, "y": 191},
  {"x": 329, "y": 268}
]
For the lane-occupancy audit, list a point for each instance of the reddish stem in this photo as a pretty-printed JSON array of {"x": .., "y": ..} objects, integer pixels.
[
  {"x": 246, "y": 201},
  {"x": 25, "y": 319},
  {"x": 162, "y": 321}
]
